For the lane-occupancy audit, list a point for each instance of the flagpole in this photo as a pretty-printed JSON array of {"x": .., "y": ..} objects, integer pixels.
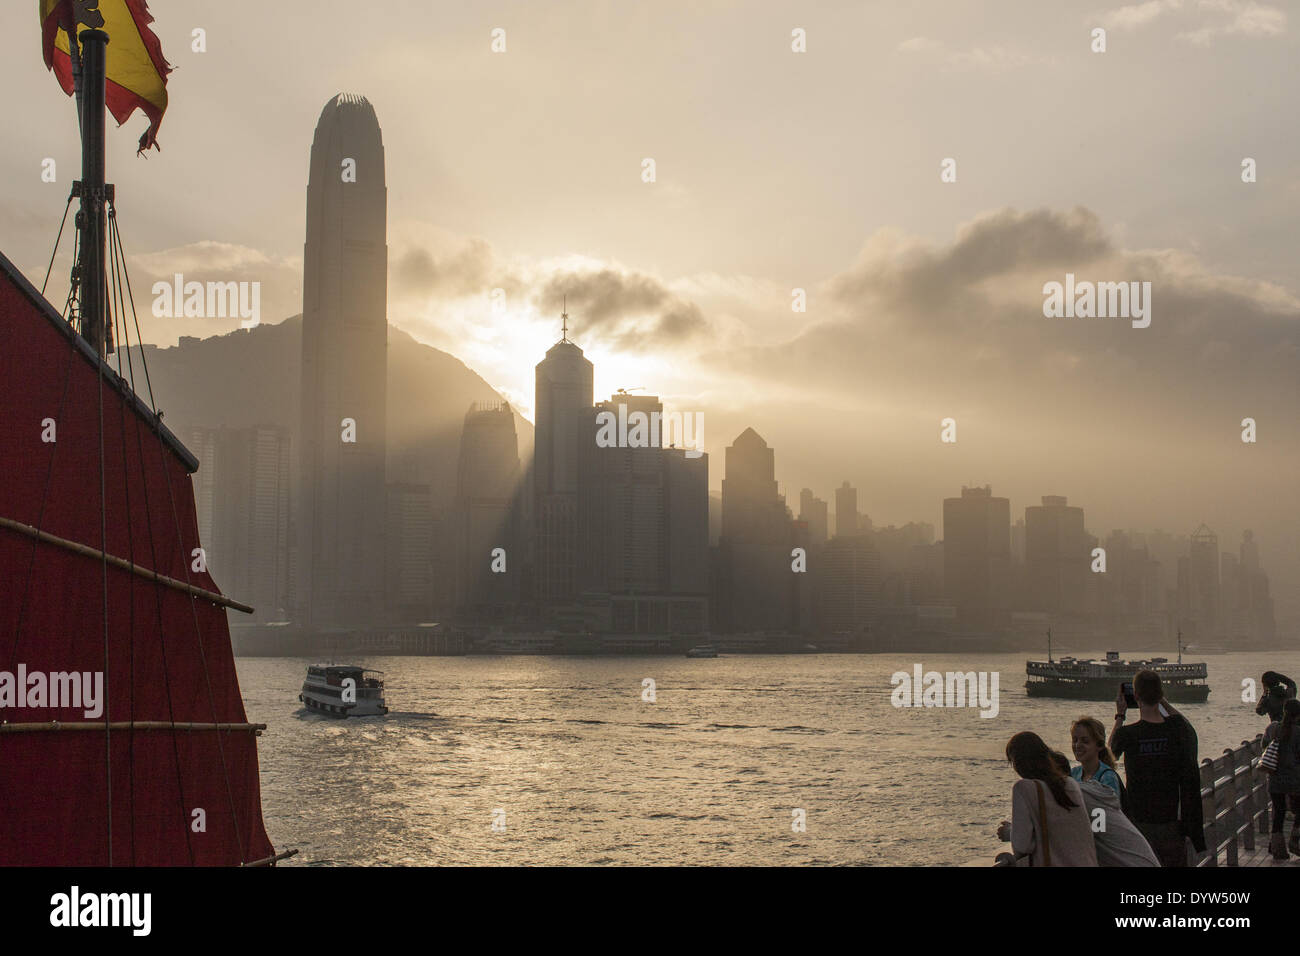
[{"x": 91, "y": 219}]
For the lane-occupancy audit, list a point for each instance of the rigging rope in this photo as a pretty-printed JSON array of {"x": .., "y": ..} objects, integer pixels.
[
  {"x": 103, "y": 543},
  {"x": 119, "y": 255},
  {"x": 73, "y": 285},
  {"x": 185, "y": 567},
  {"x": 115, "y": 303},
  {"x": 57, "y": 240}
]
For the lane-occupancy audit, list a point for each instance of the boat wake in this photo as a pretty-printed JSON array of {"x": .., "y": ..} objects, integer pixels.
[{"x": 306, "y": 713}]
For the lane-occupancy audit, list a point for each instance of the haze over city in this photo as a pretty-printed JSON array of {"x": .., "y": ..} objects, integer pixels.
[
  {"x": 777, "y": 172},
  {"x": 609, "y": 435}
]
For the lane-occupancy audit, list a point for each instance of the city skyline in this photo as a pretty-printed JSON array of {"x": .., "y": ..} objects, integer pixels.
[
  {"x": 923, "y": 297},
  {"x": 600, "y": 435}
]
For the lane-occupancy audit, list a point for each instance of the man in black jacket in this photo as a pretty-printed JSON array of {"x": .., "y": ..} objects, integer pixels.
[{"x": 1163, "y": 776}]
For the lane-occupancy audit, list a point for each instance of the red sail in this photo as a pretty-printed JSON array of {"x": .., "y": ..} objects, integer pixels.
[{"x": 165, "y": 657}]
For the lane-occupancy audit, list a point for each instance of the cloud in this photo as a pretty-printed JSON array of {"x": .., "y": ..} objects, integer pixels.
[
  {"x": 211, "y": 256},
  {"x": 1135, "y": 15},
  {"x": 922, "y": 325},
  {"x": 1213, "y": 18},
  {"x": 994, "y": 59},
  {"x": 900, "y": 274},
  {"x": 461, "y": 271},
  {"x": 1248, "y": 18},
  {"x": 909, "y": 325},
  {"x": 630, "y": 310},
  {"x": 622, "y": 308}
]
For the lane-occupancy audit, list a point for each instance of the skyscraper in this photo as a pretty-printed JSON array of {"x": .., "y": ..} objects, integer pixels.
[
  {"x": 1235, "y": 595},
  {"x": 846, "y": 510},
  {"x": 977, "y": 556},
  {"x": 627, "y": 539},
  {"x": 241, "y": 493},
  {"x": 342, "y": 446},
  {"x": 487, "y": 483},
  {"x": 757, "y": 589},
  {"x": 409, "y": 541},
  {"x": 687, "y": 503},
  {"x": 1254, "y": 584},
  {"x": 751, "y": 507},
  {"x": 564, "y": 421},
  {"x": 1131, "y": 593},
  {"x": 812, "y": 510},
  {"x": 644, "y": 526},
  {"x": 1057, "y": 556},
  {"x": 850, "y": 582},
  {"x": 1203, "y": 584}
]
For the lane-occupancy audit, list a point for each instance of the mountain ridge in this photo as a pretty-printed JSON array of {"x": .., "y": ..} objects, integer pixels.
[{"x": 194, "y": 384}]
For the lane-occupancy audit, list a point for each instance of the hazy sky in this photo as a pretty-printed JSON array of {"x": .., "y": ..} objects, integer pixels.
[{"x": 779, "y": 170}]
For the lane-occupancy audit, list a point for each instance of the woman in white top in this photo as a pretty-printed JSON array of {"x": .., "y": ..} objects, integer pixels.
[{"x": 1049, "y": 823}]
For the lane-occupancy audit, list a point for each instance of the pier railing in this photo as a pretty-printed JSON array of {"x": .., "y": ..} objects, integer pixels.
[{"x": 1235, "y": 801}]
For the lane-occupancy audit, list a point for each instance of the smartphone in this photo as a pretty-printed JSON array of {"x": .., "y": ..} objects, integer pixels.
[{"x": 1127, "y": 690}]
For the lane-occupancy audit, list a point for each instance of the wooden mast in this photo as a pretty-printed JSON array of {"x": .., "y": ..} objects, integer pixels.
[{"x": 90, "y": 272}]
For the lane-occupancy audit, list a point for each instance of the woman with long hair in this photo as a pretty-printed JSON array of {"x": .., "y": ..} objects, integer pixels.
[
  {"x": 1096, "y": 762},
  {"x": 1117, "y": 840},
  {"x": 1284, "y": 782},
  {"x": 1049, "y": 823}
]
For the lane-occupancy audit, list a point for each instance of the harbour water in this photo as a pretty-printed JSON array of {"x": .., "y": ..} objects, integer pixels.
[{"x": 587, "y": 771}]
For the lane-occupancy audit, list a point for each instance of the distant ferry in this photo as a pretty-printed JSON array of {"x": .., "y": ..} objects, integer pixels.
[
  {"x": 702, "y": 650},
  {"x": 324, "y": 691},
  {"x": 1099, "y": 680}
]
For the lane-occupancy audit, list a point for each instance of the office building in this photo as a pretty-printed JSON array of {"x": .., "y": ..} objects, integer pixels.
[{"x": 342, "y": 508}]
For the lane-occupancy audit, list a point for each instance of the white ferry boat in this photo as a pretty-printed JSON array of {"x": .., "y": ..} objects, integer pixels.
[
  {"x": 344, "y": 690},
  {"x": 703, "y": 650},
  {"x": 1099, "y": 680}
]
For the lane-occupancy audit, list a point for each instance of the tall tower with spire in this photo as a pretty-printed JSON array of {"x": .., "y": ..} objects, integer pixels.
[
  {"x": 343, "y": 435},
  {"x": 564, "y": 397}
]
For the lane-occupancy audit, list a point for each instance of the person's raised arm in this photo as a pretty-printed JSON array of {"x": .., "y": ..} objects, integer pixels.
[
  {"x": 1273, "y": 679},
  {"x": 1121, "y": 708}
]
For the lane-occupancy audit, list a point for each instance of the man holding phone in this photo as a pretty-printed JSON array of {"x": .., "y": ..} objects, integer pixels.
[{"x": 1164, "y": 780}]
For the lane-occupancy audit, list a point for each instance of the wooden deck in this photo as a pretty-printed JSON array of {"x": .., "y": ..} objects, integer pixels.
[{"x": 1259, "y": 857}]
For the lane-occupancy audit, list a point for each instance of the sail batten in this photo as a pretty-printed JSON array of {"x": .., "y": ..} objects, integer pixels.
[
  {"x": 99, "y": 725},
  {"x": 86, "y": 551}
]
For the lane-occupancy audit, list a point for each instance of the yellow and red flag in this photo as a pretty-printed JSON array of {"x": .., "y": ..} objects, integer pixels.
[{"x": 136, "y": 70}]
